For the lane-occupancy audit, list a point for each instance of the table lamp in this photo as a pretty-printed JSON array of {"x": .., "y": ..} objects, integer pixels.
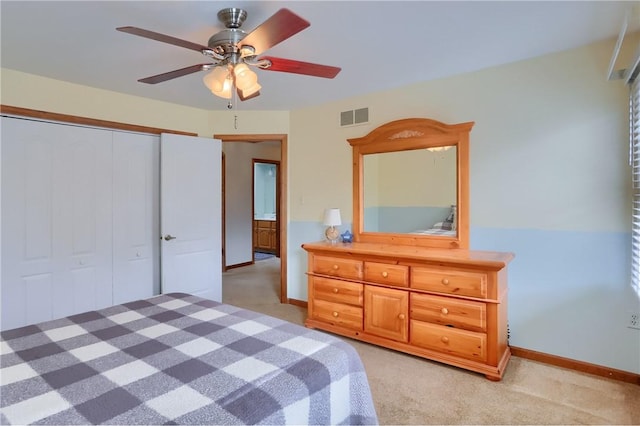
[{"x": 331, "y": 220}]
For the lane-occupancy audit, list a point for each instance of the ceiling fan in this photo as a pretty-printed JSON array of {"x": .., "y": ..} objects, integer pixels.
[{"x": 232, "y": 52}]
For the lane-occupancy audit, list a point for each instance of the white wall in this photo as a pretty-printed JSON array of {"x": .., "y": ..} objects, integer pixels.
[
  {"x": 548, "y": 178},
  {"x": 238, "y": 200}
]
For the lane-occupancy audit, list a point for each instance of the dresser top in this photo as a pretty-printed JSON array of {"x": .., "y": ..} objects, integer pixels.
[{"x": 485, "y": 259}]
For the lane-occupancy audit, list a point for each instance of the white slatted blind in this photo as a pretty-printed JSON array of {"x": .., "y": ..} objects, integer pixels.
[{"x": 634, "y": 154}]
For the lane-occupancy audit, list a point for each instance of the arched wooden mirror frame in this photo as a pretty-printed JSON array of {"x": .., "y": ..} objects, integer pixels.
[{"x": 411, "y": 134}]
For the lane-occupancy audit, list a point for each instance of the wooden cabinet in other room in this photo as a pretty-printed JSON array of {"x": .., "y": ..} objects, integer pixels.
[{"x": 264, "y": 235}]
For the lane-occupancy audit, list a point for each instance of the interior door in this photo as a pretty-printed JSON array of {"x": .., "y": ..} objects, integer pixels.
[{"x": 190, "y": 218}]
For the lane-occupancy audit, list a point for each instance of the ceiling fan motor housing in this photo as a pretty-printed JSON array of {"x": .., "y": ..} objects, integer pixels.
[{"x": 226, "y": 41}]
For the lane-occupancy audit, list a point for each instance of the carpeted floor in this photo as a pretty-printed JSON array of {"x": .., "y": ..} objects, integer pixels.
[{"x": 412, "y": 390}]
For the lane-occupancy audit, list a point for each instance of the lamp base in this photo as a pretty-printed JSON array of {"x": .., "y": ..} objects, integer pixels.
[{"x": 332, "y": 234}]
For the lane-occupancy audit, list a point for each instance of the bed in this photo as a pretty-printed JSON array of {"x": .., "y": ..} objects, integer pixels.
[
  {"x": 445, "y": 228},
  {"x": 179, "y": 359}
]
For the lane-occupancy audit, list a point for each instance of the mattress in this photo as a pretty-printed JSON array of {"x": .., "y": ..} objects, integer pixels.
[{"x": 179, "y": 359}]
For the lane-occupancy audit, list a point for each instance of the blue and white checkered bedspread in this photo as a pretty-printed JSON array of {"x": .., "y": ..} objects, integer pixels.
[{"x": 179, "y": 359}]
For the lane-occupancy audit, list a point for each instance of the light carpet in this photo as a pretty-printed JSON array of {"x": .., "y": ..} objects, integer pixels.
[{"x": 412, "y": 390}]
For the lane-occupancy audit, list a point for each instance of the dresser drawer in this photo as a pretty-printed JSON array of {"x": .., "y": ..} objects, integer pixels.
[
  {"x": 384, "y": 273},
  {"x": 462, "y": 343},
  {"x": 337, "y": 291},
  {"x": 450, "y": 312},
  {"x": 337, "y": 314},
  {"x": 337, "y": 267},
  {"x": 461, "y": 283}
]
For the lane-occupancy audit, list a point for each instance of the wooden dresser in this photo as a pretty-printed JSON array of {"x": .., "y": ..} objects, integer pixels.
[{"x": 447, "y": 305}]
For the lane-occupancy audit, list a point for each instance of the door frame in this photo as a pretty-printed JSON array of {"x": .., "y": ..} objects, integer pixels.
[{"x": 282, "y": 188}]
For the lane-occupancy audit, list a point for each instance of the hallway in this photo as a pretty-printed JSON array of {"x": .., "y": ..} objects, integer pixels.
[{"x": 257, "y": 287}]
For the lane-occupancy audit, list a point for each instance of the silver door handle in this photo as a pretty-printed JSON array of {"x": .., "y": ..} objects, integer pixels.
[{"x": 168, "y": 237}]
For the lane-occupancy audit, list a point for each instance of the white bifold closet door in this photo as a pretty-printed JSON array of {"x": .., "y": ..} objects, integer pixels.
[
  {"x": 136, "y": 216},
  {"x": 81, "y": 211},
  {"x": 56, "y": 221}
]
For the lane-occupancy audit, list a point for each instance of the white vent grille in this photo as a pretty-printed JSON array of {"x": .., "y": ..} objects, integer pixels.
[{"x": 353, "y": 117}]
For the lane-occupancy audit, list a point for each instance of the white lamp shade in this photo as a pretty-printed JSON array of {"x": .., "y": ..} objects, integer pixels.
[{"x": 332, "y": 217}]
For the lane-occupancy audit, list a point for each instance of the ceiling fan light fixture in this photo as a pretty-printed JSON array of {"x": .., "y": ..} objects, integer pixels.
[
  {"x": 251, "y": 90},
  {"x": 245, "y": 78},
  {"x": 216, "y": 79},
  {"x": 227, "y": 89}
]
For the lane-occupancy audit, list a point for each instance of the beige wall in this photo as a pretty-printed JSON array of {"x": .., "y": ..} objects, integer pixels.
[
  {"x": 31, "y": 91},
  {"x": 529, "y": 156}
]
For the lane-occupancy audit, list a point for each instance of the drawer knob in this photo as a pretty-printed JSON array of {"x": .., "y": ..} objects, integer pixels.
[
  {"x": 401, "y": 316},
  {"x": 445, "y": 281},
  {"x": 385, "y": 274},
  {"x": 444, "y": 311},
  {"x": 335, "y": 314},
  {"x": 335, "y": 290},
  {"x": 335, "y": 267},
  {"x": 444, "y": 339}
]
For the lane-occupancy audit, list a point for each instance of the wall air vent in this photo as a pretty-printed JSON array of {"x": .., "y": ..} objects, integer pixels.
[{"x": 353, "y": 117}]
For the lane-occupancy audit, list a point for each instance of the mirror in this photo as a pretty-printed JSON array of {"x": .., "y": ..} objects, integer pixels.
[
  {"x": 410, "y": 181},
  {"x": 429, "y": 191}
]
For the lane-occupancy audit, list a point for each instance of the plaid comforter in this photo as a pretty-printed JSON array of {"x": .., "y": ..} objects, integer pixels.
[{"x": 179, "y": 359}]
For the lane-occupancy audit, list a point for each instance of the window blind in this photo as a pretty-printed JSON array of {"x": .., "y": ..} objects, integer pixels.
[{"x": 634, "y": 159}]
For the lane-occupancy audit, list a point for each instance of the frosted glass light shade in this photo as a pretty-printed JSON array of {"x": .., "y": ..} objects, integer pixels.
[
  {"x": 219, "y": 82},
  {"x": 245, "y": 78},
  {"x": 250, "y": 90}
]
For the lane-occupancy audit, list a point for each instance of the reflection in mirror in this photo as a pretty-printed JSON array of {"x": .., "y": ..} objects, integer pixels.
[{"x": 410, "y": 191}]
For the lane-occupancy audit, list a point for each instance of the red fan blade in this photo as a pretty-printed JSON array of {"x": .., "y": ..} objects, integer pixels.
[
  {"x": 163, "y": 38},
  {"x": 298, "y": 67},
  {"x": 279, "y": 27},
  {"x": 174, "y": 74}
]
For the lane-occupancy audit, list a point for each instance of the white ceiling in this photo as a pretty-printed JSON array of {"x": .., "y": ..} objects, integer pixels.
[{"x": 378, "y": 44}]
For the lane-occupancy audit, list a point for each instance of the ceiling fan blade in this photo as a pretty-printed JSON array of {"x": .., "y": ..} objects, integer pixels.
[
  {"x": 279, "y": 27},
  {"x": 298, "y": 67},
  {"x": 175, "y": 74},
  {"x": 163, "y": 38}
]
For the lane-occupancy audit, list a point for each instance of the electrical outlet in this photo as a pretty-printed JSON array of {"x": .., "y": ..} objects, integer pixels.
[{"x": 633, "y": 320}]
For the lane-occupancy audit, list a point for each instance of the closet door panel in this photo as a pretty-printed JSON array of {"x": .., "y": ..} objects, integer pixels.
[
  {"x": 56, "y": 220},
  {"x": 82, "y": 198},
  {"x": 27, "y": 230},
  {"x": 136, "y": 217}
]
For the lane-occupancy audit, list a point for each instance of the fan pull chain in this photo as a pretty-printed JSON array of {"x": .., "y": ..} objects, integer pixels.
[{"x": 235, "y": 122}]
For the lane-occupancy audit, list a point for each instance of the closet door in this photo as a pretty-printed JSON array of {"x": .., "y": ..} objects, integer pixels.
[
  {"x": 56, "y": 220},
  {"x": 136, "y": 216}
]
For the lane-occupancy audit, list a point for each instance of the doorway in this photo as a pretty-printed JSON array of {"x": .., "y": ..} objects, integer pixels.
[
  {"x": 265, "y": 211},
  {"x": 282, "y": 202}
]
